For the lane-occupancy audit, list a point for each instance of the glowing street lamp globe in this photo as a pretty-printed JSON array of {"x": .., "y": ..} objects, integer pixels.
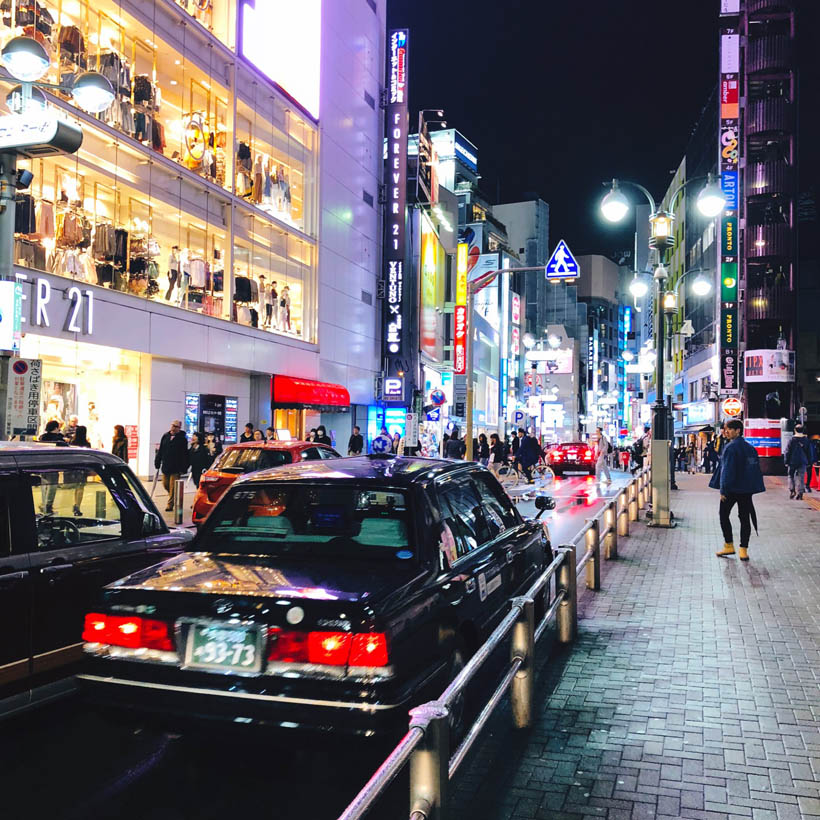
[
  {"x": 638, "y": 288},
  {"x": 701, "y": 286},
  {"x": 25, "y": 59},
  {"x": 614, "y": 206},
  {"x": 711, "y": 200}
]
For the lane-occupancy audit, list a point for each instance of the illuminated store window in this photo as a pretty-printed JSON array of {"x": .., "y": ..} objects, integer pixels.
[
  {"x": 274, "y": 156},
  {"x": 274, "y": 279}
]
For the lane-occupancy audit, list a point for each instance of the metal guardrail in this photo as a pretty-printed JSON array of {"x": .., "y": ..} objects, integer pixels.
[{"x": 426, "y": 746}]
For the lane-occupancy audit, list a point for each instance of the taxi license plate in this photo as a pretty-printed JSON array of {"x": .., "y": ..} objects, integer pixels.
[{"x": 223, "y": 648}]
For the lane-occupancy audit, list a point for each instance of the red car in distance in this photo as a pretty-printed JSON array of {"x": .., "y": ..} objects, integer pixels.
[
  {"x": 573, "y": 455},
  {"x": 239, "y": 459}
]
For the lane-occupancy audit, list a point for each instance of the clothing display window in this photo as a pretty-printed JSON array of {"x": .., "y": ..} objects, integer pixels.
[{"x": 156, "y": 201}]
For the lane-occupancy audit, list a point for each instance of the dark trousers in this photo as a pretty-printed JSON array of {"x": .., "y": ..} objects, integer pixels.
[{"x": 744, "y": 511}]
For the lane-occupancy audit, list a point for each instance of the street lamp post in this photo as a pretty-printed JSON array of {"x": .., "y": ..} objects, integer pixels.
[{"x": 614, "y": 207}]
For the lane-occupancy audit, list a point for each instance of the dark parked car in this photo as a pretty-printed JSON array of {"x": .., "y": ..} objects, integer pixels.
[
  {"x": 325, "y": 596},
  {"x": 71, "y": 521}
]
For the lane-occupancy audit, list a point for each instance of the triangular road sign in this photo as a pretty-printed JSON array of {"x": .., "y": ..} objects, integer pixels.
[{"x": 562, "y": 264}]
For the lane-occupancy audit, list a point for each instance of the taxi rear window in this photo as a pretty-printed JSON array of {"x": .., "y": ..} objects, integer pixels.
[{"x": 310, "y": 521}]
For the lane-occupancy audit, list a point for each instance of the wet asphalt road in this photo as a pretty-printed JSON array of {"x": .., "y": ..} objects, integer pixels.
[{"x": 66, "y": 761}]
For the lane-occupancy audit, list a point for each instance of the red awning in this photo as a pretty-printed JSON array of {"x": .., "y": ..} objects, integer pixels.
[{"x": 288, "y": 392}]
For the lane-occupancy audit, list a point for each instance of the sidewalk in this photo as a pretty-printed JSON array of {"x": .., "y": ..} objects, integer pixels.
[
  {"x": 693, "y": 689},
  {"x": 161, "y": 500}
]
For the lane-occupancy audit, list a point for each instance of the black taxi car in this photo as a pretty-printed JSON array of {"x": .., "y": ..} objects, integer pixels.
[
  {"x": 325, "y": 596},
  {"x": 71, "y": 521}
]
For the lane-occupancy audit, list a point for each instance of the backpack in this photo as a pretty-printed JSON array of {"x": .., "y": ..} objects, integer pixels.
[
  {"x": 609, "y": 447},
  {"x": 637, "y": 448}
]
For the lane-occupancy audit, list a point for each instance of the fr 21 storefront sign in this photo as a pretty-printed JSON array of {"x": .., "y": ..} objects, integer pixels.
[{"x": 77, "y": 316}]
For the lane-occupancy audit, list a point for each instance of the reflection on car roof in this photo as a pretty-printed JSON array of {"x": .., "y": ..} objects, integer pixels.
[{"x": 395, "y": 469}]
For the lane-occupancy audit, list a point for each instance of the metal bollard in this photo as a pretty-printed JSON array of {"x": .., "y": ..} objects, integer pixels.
[
  {"x": 642, "y": 492},
  {"x": 523, "y": 646},
  {"x": 593, "y": 544},
  {"x": 633, "y": 501},
  {"x": 179, "y": 500},
  {"x": 430, "y": 761},
  {"x": 611, "y": 539},
  {"x": 623, "y": 513},
  {"x": 566, "y": 617}
]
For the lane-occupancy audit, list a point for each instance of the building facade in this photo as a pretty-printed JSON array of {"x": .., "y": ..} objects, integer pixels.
[{"x": 173, "y": 265}]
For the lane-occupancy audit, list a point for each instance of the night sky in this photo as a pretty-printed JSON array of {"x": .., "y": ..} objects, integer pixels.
[{"x": 562, "y": 94}]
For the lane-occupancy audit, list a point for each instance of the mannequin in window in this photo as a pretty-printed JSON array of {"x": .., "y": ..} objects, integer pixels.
[{"x": 284, "y": 309}]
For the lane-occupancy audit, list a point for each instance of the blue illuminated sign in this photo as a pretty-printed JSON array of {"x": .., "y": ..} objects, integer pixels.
[{"x": 729, "y": 186}]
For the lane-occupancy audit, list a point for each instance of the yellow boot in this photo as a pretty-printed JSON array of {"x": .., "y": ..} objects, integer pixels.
[
  {"x": 728, "y": 549},
  {"x": 743, "y": 554}
]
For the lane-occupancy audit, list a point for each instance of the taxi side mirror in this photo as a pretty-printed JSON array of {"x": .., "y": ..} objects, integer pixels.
[{"x": 544, "y": 502}]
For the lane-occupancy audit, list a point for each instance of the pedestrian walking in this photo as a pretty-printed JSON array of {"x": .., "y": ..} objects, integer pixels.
[
  {"x": 497, "y": 456},
  {"x": 247, "y": 435},
  {"x": 78, "y": 477},
  {"x": 270, "y": 434},
  {"x": 213, "y": 446},
  {"x": 483, "y": 449},
  {"x": 71, "y": 428},
  {"x": 394, "y": 444},
  {"x": 738, "y": 477},
  {"x": 355, "y": 443},
  {"x": 311, "y": 436},
  {"x": 602, "y": 450},
  {"x": 119, "y": 446},
  {"x": 321, "y": 436},
  {"x": 529, "y": 451},
  {"x": 257, "y": 435},
  {"x": 691, "y": 457},
  {"x": 172, "y": 459},
  {"x": 798, "y": 457},
  {"x": 455, "y": 447},
  {"x": 709, "y": 456},
  {"x": 199, "y": 458}
]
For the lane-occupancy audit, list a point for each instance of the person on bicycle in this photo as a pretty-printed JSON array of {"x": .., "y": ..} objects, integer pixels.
[{"x": 528, "y": 453}]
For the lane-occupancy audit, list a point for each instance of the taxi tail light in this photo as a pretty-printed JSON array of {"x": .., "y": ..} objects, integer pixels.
[
  {"x": 327, "y": 648},
  {"x": 130, "y": 631},
  {"x": 588, "y": 455},
  {"x": 369, "y": 649}
]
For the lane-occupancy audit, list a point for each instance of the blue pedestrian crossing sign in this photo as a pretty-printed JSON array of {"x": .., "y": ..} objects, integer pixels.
[{"x": 562, "y": 264}]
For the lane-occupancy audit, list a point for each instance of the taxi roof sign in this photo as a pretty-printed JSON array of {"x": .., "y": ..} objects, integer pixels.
[{"x": 562, "y": 264}]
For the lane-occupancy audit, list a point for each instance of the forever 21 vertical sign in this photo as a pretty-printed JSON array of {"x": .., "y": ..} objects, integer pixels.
[{"x": 396, "y": 173}]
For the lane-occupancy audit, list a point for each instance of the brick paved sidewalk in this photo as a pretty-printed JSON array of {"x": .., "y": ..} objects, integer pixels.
[{"x": 691, "y": 692}]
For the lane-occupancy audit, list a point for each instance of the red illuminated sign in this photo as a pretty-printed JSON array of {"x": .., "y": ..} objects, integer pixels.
[{"x": 460, "y": 339}]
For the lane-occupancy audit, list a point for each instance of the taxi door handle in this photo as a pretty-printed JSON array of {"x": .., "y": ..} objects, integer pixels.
[
  {"x": 54, "y": 569},
  {"x": 510, "y": 556},
  {"x": 469, "y": 585}
]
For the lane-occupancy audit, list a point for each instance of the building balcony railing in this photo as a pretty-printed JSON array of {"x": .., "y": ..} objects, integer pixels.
[
  {"x": 772, "y": 52},
  {"x": 768, "y": 241},
  {"x": 772, "y": 6},
  {"x": 769, "y": 301},
  {"x": 773, "y": 177},
  {"x": 768, "y": 116}
]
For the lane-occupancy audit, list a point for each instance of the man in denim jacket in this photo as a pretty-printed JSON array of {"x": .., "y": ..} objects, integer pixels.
[{"x": 738, "y": 478}]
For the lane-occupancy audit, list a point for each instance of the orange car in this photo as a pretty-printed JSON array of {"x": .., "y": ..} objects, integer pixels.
[{"x": 238, "y": 459}]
